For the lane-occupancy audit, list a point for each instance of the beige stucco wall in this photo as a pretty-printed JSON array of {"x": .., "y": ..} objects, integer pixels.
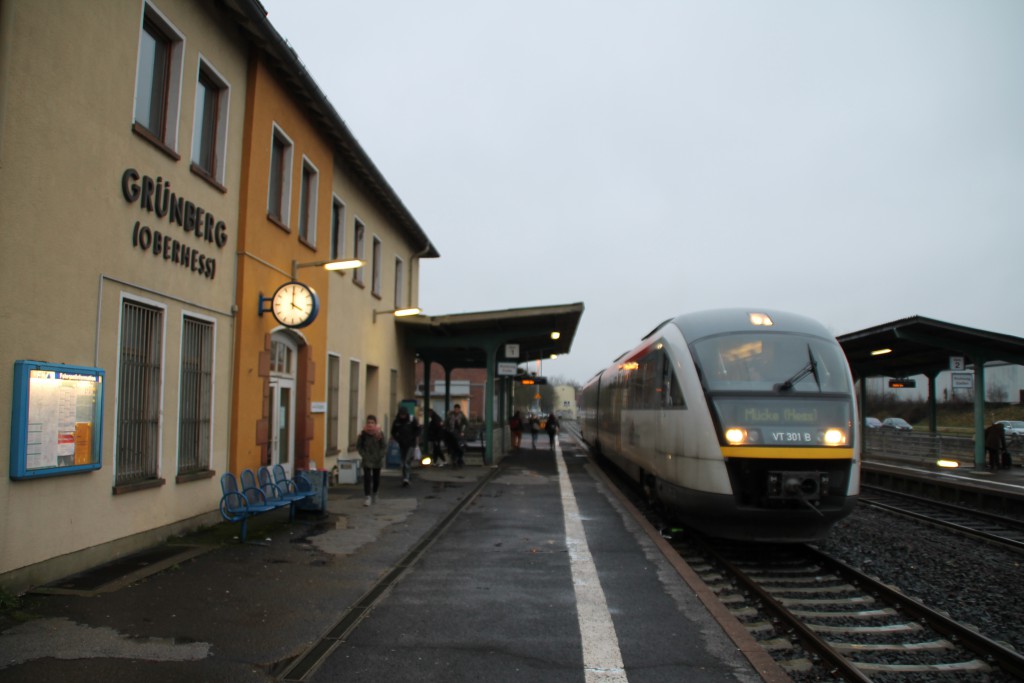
[
  {"x": 352, "y": 333},
  {"x": 66, "y": 250}
]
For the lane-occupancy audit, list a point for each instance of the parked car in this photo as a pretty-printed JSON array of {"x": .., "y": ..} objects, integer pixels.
[
  {"x": 897, "y": 423},
  {"x": 872, "y": 422},
  {"x": 1012, "y": 427}
]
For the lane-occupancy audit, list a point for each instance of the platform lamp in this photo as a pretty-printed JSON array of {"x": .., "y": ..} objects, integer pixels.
[
  {"x": 329, "y": 264},
  {"x": 398, "y": 312}
]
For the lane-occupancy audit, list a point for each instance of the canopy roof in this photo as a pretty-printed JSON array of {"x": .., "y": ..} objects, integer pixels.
[
  {"x": 919, "y": 345},
  {"x": 461, "y": 340}
]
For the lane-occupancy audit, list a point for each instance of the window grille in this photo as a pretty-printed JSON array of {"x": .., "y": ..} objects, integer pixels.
[
  {"x": 139, "y": 390},
  {"x": 196, "y": 396}
]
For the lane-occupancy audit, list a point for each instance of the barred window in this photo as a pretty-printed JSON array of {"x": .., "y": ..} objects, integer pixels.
[
  {"x": 139, "y": 392},
  {"x": 196, "y": 396}
]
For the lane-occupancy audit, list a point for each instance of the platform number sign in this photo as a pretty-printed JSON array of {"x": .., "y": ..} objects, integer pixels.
[{"x": 956, "y": 363}]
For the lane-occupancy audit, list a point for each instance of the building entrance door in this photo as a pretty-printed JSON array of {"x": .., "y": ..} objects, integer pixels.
[{"x": 283, "y": 353}]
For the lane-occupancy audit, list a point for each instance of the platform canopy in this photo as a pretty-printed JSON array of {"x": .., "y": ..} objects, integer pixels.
[
  {"x": 484, "y": 339},
  {"x": 462, "y": 340},
  {"x": 924, "y": 346}
]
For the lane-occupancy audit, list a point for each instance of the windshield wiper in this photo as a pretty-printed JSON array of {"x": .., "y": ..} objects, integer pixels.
[{"x": 810, "y": 369}]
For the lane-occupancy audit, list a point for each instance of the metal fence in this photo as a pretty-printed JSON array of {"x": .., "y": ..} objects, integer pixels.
[{"x": 927, "y": 446}]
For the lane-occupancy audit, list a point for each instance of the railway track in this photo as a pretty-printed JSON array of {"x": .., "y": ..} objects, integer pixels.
[
  {"x": 822, "y": 619},
  {"x": 818, "y": 616},
  {"x": 1007, "y": 532}
]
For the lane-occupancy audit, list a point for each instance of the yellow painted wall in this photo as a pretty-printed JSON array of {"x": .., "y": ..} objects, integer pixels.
[{"x": 264, "y": 242}]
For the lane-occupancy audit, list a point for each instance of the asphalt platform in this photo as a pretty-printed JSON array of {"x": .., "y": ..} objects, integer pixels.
[{"x": 528, "y": 571}]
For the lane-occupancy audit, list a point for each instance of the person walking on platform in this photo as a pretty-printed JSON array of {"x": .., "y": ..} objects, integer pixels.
[
  {"x": 516, "y": 427},
  {"x": 552, "y": 429},
  {"x": 534, "y": 428},
  {"x": 995, "y": 444},
  {"x": 435, "y": 435},
  {"x": 371, "y": 447},
  {"x": 406, "y": 431},
  {"x": 455, "y": 434}
]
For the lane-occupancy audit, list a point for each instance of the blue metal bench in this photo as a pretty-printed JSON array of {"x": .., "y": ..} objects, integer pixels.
[
  {"x": 285, "y": 488},
  {"x": 238, "y": 505},
  {"x": 295, "y": 486}
]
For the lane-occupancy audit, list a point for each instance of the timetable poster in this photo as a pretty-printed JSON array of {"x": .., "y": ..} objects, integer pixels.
[{"x": 61, "y": 415}]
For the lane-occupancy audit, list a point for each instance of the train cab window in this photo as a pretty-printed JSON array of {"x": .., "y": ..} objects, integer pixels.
[{"x": 789, "y": 362}]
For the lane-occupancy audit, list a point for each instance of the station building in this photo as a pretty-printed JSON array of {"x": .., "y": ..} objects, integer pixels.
[{"x": 166, "y": 168}]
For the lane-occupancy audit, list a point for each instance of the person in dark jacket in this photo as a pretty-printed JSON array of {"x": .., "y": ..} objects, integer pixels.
[
  {"x": 995, "y": 444},
  {"x": 435, "y": 435},
  {"x": 406, "y": 431},
  {"x": 552, "y": 429},
  {"x": 370, "y": 445},
  {"x": 455, "y": 434}
]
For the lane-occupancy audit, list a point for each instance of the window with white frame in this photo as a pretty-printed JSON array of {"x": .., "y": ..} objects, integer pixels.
[
  {"x": 279, "y": 193},
  {"x": 337, "y": 229},
  {"x": 377, "y": 266},
  {"x": 195, "y": 413},
  {"x": 139, "y": 393},
  {"x": 353, "y": 403},
  {"x": 333, "y": 402},
  {"x": 158, "y": 80},
  {"x": 209, "y": 129},
  {"x": 399, "y": 283},
  {"x": 360, "y": 251},
  {"x": 307, "y": 206}
]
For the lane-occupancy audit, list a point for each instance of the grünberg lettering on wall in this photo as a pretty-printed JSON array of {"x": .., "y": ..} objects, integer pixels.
[{"x": 156, "y": 197}]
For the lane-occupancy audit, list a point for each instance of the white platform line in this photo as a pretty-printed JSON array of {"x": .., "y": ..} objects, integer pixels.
[{"x": 602, "y": 660}]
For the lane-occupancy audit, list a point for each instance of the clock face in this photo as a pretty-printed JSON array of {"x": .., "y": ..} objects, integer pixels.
[{"x": 295, "y": 304}]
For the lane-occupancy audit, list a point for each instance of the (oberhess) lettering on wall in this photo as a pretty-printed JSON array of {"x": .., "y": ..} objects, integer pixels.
[{"x": 157, "y": 198}]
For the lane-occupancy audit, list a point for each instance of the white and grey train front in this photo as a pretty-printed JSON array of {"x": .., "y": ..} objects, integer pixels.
[{"x": 743, "y": 422}]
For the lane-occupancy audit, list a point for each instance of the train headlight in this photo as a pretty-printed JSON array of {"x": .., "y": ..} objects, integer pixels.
[
  {"x": 735, "y": 435},
  {"x": 835, "y": 437}
]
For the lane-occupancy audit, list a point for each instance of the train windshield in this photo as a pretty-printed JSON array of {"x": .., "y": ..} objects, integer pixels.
[{"x": 778, "y": 362}]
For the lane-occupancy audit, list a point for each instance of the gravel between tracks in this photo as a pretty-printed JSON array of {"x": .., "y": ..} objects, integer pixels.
[{"x": 974, "y": 582}]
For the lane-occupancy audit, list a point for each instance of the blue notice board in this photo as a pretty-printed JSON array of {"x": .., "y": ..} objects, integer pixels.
[{"x": 56, "y": 419}]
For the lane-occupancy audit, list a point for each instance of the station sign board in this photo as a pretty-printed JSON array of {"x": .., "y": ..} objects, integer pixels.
[
  {"x": 506, "y": 369},
  {"x": 962, "y": 380}
]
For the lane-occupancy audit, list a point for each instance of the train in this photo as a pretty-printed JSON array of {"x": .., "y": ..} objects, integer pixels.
[{"x": 742, "y": 422}]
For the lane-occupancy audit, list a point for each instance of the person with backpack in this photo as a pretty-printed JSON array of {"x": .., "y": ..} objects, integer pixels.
[{"x": 552, "y": 429}]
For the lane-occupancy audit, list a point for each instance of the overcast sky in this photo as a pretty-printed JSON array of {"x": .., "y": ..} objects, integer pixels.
[{"x": 856, "y": 161}]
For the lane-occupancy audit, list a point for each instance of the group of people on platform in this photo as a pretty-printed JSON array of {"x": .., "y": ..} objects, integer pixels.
[
  {"x": 405, "y": 432},
  {"x": 446, "y": 436},
  {"x": 519, "y": 424}
]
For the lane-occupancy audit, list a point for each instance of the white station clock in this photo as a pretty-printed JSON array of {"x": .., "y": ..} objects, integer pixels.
[{"x": 295, "y": 304}]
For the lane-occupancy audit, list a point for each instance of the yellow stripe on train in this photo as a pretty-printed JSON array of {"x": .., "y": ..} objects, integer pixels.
[{"x": 787, "y": 453}]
